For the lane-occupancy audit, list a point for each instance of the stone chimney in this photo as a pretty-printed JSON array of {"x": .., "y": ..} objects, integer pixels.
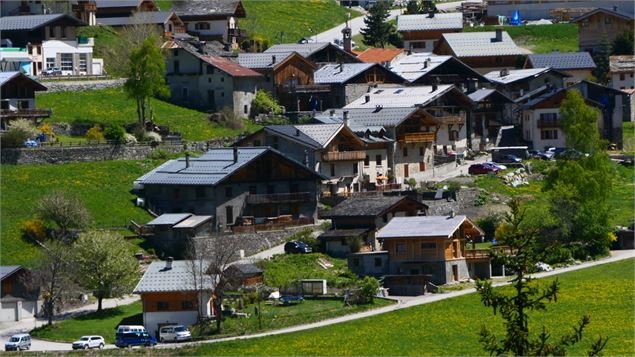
[
  {"x": 187, "y": 160},
  {"x": 499, "y": 36},
  {"x": 332, "y": 112},
  {"x": 367, "y": 98},
  {"x": 168, "y": 263},
  {"x": 504, "y": 72},
  {"x": 273, "y": 59},
  {"x": 434, "y": 87},
  {"x": 452, "y": 214},
  {"x": 235, "y": 154},
  {"x": 345, "y": 117}
]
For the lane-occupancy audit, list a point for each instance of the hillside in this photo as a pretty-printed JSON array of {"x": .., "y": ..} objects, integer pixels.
[{"x": 539, "y": 38}]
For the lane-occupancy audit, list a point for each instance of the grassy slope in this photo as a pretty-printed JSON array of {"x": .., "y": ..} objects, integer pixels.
[
  {"x": 112, "y": 106},
  {"x": 283, "y": 269},
  {"x": 540, "y": 39},
  {"x": 104, "y": 187},
  {"x": 293, "y": 17},
  {"x": 450, "y": 327}
]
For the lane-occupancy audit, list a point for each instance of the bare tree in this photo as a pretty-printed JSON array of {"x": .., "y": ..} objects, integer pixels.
[{"x": 65, "y": 211}]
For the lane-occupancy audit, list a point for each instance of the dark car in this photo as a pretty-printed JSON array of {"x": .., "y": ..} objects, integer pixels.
[
  {"x": 297, "y": 247},
  {"x": 509, "y": 159},
  {"x": 479, "y": 169},
  {"x": 541, "y": 155},
  {"x": 134, "y": 339}
]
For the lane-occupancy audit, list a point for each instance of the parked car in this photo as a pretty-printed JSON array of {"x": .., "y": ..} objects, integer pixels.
[
  {"x": 54, "y": 71},
  {"x": 130, "y": 328},
  {"x": 478, "y": 169},
  {"x": 297, "y": 247},
  {"x": 86, "y": 342},
  {"x": 18, "y": 342},
  {"x": 554, "y": 150},
  {"x": 174, "y": 333},
  {"x": 497, "y": 165},
  {"x": 510, "y": 158},
  {"x": 570, "y": 154},
  {"x": 130, "y": 339},
  {"x": 541, "y": 155}
]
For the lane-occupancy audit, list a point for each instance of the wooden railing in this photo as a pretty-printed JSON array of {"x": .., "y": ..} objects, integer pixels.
[
  {"x": 549, "y": 123},
  {"x": 344, "y": 155},
  {"x": 483, "y": 253},
  {"x": 255, "y": 199},
  {"x": 417, "y": 138},
  {"x": 304, "y": 88},
  {"x": 25, "y": 113}
]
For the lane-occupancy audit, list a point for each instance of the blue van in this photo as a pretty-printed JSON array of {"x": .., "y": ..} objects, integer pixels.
[{"x": 129, "y": 339}]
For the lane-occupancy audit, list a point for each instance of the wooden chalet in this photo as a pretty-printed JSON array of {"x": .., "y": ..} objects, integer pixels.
[
  {"x": 18, "y": 98},
  {"x": 602, "y": 25},
  {"x": 489, "y": 115}
]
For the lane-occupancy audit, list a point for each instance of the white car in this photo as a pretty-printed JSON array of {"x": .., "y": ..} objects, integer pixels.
[
  {"x": 174, "y": 333},
  {"x": 87, "y": 342}
]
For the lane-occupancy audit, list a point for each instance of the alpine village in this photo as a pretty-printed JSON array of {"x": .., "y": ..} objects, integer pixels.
[{"x": 317, "y": 177}]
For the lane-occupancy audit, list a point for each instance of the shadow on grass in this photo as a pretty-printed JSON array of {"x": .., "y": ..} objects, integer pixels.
[
  {"x": 136, "y": 319},
  {"x": 100, "y": 315}
]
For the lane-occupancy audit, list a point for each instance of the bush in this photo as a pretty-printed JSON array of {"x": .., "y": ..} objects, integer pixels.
[
  {"x": 46, "y": 129},
  {"x": 265, "y": 103},
  {"x": 129, "y": 139},
  {"x": 34, "y": 228},
  {"x": 152, "y": 136},
  {"x": 139, "y": 132},
  {"x": 18, "y": 132},
  {"x": 369, "y": 287},
  {"x": 115, "y": 133},
  {"x": 158, "y": 154},
  {"x": 489, "y": 224},
  {"x": 94, "y": 133}
]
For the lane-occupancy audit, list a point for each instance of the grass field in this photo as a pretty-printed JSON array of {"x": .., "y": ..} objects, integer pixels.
[
  {"x": 284, "y": 269},
  {"x": 539, "y": 39},
  {"x": 450, "y": 327},
  {"x": 103, "y": 186},
  {"x": 111, "y": 106}
]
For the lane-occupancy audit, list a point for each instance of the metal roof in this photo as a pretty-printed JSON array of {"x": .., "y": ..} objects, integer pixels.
[
  {"x": 484, "y": 93},
  {"x": 193, "y": 221},
  {"x": 421, "y": 226},
  {"x": 117, "y": 3},
  {"x": 622, "y": 64},
  {"x": 417, "y": 65},
  {"x": 396, "y": 97},
  {"x": 615, "y": 12},
  {"x": 7, "y": 270},
  {"x": 368, "y": 117},
  {"x": 366, "y": 206},
  {"x": 231, "y": 68},
  {"x": 316, "y": 136},
  {"x": 144, "y": 17},
  {"x": 514, "y": 75},
  {"x": 479, "y": 44},
  {"x": 423, "y": 22},
  {"x": 305, "y": 49},
  {"x": 340, "y": 73},
  {"x": 8, "y": 76},
  {"x": 168, "y": 219},
  {"x": 262, "y": 60},
  {"x": 179, "y": 278},
  {"x": 30, "y": 22},
  {"x": 246, "y": 268},
  {"x": 557, "y": 60}
]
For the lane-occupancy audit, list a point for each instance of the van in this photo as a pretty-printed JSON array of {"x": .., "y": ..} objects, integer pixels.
[
  {"x": 174, "y": 333},
  {"x": 18, "y": 342},
  {"x": 130, "y": 328}
]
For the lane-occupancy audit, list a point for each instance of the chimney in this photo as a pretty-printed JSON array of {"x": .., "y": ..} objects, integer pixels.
[
  {"x": 427, "y": 62},
  {"x": 367, "y": 98},
  {"x": 187, "y": 160},
  {"x": 434, "y": 87},
  {"x": 499, "y": 36},
  {"x": 345, "y": 117},
  {"x": 431, "y": 13},
  {"x": 297, "y": 132},
  {"x": 235, "y": 154},
  {"x": 273, "y": 59},
  {"x": 168, "y": 263},
  {"x": 504, "y": 72},
  {"x": 452, "y": 214},
  {"x": 332, "y": 112},
  {"x": 615, "y": 8},
  {"x": 341, "y": 67},
  {"x": 471, "y": 85},
  {"x": 378, "y": 107}
]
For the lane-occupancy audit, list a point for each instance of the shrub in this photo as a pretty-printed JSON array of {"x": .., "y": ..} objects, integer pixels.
[
  {"x": 411, "y": 182},
  {"x": 34, "y": 228},
  {"x": 46, "y": 129},
  {"x": 158, "y": 154},
  {"x": 115, "y": 133},
  {"x": 369, "y": 287},
  {"x": 489, "y": 224},
  {"x": 129, "y": 139},
  {"x": 276, "y": 120},
  {"x": 94, "y": 133},
  {"x": 152, "y": 136},
  {"x": 18, "y": 132},
  {"x": 139, "y": 132},
  {"x": 265, "y": 103}
]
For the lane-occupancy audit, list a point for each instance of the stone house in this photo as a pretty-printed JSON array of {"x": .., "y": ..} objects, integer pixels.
[
  {"x": 577, "y": 65},
  {"x": 213, "y": 20},
  {"x": 490, "y": 114},
  {"x": 17, "y": 93},
  {"x": 602, "y": 25},
  {"x": 18, "y": 300},
  {"x": 421, "y": 32}
]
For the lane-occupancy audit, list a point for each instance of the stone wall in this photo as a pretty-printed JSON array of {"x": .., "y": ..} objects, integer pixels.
[
  {"x": 465, "y": 197},
  {"x": 76, "y": 86}
]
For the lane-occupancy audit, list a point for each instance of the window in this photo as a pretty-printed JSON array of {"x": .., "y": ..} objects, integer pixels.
[
  {"x": 187, "y": 305},
  {"x": 229, "y": 215},
  {"x": 222, "y": 79},
  {"x": 622, "y": 77},
  {"x": 401, "y": 248},
  {"x": 175, "y": 52},
  {"x": 228, "y": 192},
  {"x": 405, "y": 152},
  {"x": 66, "y": 61},
  {"x": 50, "y": 62},
  {"x": 275, "y": 143},
  {"x": 267, "y": 79},
  {"x": 201, "y": 26},
  {"x": 83, "y": 67},
  {"x": 499, "y": 60},
  {"x": 163, "y": 305},
  {"x": 453, "y": 135},
  {"x": 344, "y": 242},
  {"x": 355, "y": 169},
  {"x": 222, "y": 94},
  {"x": 210, "y": 69},
  {"x": 246, "y": 109},
  {"x": 421, "y": 151},
  {"x": 548, "y": 116},
  {"x": 294, "y": 187},
  {"x": 184, "y": 93},
  {"x": 63, "y": 31},
  {"x": 253, "y": 189},
  {"x": 176, "y": 67},
  {"x": 549, "y": 134},
  {"x": 418, "y": 44},
  {"x": 200, "y": 192},
  {"x": 366, "y": 160},
  {"x": 378, "y": 262},
  {"x": 428, "y": 245},
  {"x": 385, "y": 218},
  {"x": 332, "y": 169},
  {"x": 378, "y": 160}
]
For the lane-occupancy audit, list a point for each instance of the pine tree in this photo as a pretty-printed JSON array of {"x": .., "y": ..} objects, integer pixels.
[
  {"x": 377, "y": 30},
  {"x": 412, "y": 7}
]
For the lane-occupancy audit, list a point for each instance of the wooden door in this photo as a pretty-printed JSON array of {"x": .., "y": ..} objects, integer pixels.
[
  {"x": 455, "y": 272},
  {"x": 405, "y": 171}
]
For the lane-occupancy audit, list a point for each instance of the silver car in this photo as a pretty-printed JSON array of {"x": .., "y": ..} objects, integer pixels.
[{"x": 18, "y": 342}]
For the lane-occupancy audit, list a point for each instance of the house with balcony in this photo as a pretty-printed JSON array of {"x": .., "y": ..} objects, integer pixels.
[
  {"x": 213, "y": 20},
  {"x": 577, "y": 65},
  {"x": 489, "y": 116},
  {"x": 421, "y": 32},
  {"x": 17, "y": 98},
  {"x": 602, "y": 25},
  {"x": 319, "y": 53},
  {"x": 167, "y": 23},
  {"x": 51, "y": 41},
  {"x": 209, "y": 82},
  {"x": 332, "y": 150},
  {"x": 257, "y": 187},
  {"x": 428, "y": 69}
]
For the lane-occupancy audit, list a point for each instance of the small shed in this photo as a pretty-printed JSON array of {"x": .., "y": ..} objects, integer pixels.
[
  {"x": 245, "y": 274},
  {"x": 341, "y": 242}
]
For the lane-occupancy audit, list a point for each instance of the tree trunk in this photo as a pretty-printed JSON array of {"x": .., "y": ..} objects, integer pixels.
[
  {"x": 139, "y": 110},
  {"x": 100, "y": 298},
  {"x": 219, "y": 315},
  {"x": 49, "y": 311}
]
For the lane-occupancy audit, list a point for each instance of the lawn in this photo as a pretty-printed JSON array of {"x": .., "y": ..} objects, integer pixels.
[
  {"x": 103, "y": 324},
  {"x": 284, "y": 269},
  {"x": 450, "y": 327},
  {"x": 539, "y": 38},
  {"x": 103, "y": 186},
  {"x": 111, "y": 106}
]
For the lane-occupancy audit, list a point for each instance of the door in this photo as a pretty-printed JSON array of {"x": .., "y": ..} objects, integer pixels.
[
  {"x": 211, "y": 99},
  {"x": 455, "y": 272},
  {"x": 405, "y": 171}
]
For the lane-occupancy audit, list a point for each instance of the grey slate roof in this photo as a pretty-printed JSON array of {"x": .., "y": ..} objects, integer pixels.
[
  {"x": 368, "y": 117},
  {"x": 305, "y": 49},
  {"x": 423, "y": 22},
  {"x": 340, "y": 73},
  {"x": 262, "y": 60},
  {"x": 421, "y": 226},
  {"x": 399, "y": 97},
  {"x": 364, "y": 206},
  {"x": 205, "y": 7},
  {"x": 30, "y": 22},
  {"x": 479, "y": 44},
  {"x": 145, "y": 17},
  {"x": 557, "y": 60},
  {"x": 484, "y": 93},
  {"x": 179, "y": 278},
  {"x": 168, "y": 219},
  {"x": 6, "y": 270},
  {"x": 247, "y": 268},
  {"x": 515, "y": 75},
  {"x": 316, "y": 136}
]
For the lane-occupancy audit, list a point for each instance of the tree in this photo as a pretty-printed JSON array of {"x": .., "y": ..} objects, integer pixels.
[
  {"x": 623, "y": 43},
  {"x": 601, "y": 59},
  {"x": 525, "y": 297},
  {"x": 377, "y": 30},
  {"x": 66, "y": 212},
  {"x": 104, "y": 265},
  {"x": 579, "y": 122},
  {"x": 146, "y": 78}
]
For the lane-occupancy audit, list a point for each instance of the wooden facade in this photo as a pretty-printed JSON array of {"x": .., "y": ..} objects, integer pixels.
[
  {"x": 426, "y": 248},
  {"x": 169, "y": 301},
  {"x": 601, "y": 26}
]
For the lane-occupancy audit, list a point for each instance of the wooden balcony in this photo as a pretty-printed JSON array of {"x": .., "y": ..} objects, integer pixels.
[
  {"x": 549, "y": 123},
  {"x": 450, "y": 119},
  {"x": 304, "y": 88},
  {"x": 344, "y": 156},
  {"x": 417, "y": 138},
  {"x": 257, "y": 199},
  {"x": 25, "y": 113}
]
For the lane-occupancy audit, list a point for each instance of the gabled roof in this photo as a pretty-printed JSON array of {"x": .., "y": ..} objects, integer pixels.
[
  {"x": 31, "y": 22},
  {"x": 422, "y": 226},
  {"x": 246, "y": 268},
  {"x": 8, "y": 270},
  {"x": 305, "y": 49},
  {"x": 367, "y": 117},
  {"x": 369, "y": 206},
  {"x": 5, "y": 77},
  {"x": 208, "y": 7},
  {"x": 168, "y": 219},
  {"x": 192, "y": 222},
  {"x": 622, "y": 64},
  {"x": 555, "y": 92},
  {"x": 479, "y": 44},
  {"x": 231, "y": 68},
  {"x": 317, "y": 136},
  {"x": 117, "y": 3},
  {"x": 417, "y": 65},
  {"x": 515, "y": 75},
  {"x": 423, "y": 22},
  {"x": 343, "y": 72},
  {"x": 562, "y": 61},
  {"x": 263, "y": 60},
  {"x": 212, "y": 168},
  {"x": 177, "y": 279},
  {"x": 144, "y": 17},
  {"x": 484, "y": 93},
  {"x": 617, "y": 13},
  {"x": 380, "y": 55},
  {"x": 401, "y": 96}
]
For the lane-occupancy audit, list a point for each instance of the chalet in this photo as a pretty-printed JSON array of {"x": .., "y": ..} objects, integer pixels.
[
  {"x": 122, "y": 8},
  {"x": 166, "y": 22},
  {"x": 621, "y": 73},
  {"x": 18, "y": 300},
  {"x": 209, "y": 82},
  {"x": 349, "y": 81},
  {"x": 483, "y": 51},
  {"x": 170, "y": 232},
  {"x": 427, "y": 69},
  {"x": 421, "y": 32},
  {"x": 356, "y": 220},
  {"x": 577, "y": 65},
  {"x": 212, "y": 19},
  {"x": 426, "y": 249},
  {"x": 170, "y": 295},
  {"x": 244, "y": 274},
  {"x": 18, "y": 98},
  {"x": 517, "y": 82},
  {"x": 332, "y": 150},
  {"x": 238, "y": 186},
  {"x": 289, "y": 76},
  {"x": 50, "y": 41},
  {"x": 316, "y": 52},
  {"x": 383, "y": 56},
  {"x": 602, "y": 25},
  {"x": 489, "y": 114}
]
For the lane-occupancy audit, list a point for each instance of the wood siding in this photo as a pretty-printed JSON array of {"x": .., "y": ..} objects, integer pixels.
[
  {"x": 426, "y": 35},
  {"x": 174, "y": 301},
  {"x": 595, "y": 29},
  {"x": 446, "y": 249}
]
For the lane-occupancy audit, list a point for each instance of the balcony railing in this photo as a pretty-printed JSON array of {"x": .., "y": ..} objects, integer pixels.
[
  {"x": 304, "y": 88},
  {"x": 417, "y": 138},
  {"x": 25, "y": 113},
  {"x": 256, "y": 199},
  {"x": 542, "y": 123},
  {"x": 450, "y": 119},
  {"x": 344, "y": 156},
  {"x": 273, "y": 225}
]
